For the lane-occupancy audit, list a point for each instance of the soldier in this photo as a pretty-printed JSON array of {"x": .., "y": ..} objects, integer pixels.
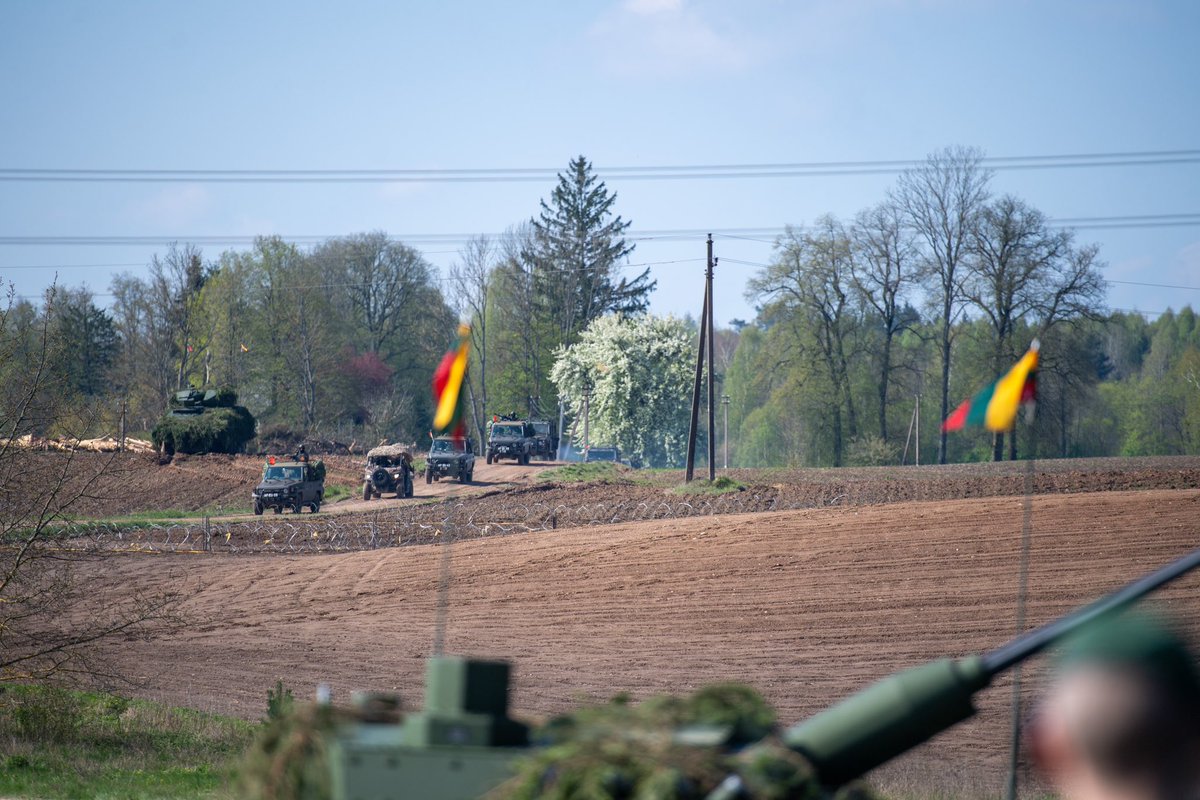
[{"x": 1122, "y": 718}]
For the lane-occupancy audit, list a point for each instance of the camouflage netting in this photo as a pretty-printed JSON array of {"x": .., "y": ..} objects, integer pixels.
[
  {"x": 217, "y": 430},
  {"x": 288, "y": 760},
  {"x": 203, "y": 422},
  {"x": 657, "y": 749}
]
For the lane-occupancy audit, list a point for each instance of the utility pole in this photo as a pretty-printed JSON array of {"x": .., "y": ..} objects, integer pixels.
[
  {"x": 587, "y": 407},
  {"x": 705, "y": 315},
  {"x": 725, "y": 405},
  {"x": 712, "y": 407}
]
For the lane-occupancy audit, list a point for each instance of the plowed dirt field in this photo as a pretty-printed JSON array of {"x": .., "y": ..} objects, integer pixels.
[{"x": 806, "y": 605}]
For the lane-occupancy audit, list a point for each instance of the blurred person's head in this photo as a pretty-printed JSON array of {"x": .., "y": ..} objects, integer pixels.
[{"x": 1121, "y": 720}]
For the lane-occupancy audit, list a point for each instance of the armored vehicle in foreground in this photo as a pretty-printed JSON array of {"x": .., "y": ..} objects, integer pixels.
[
  {"x": 450, "y": 457},
  {"x": 510, "y": 439},
  {"x": 389, "y": 468},
  {"x": 290, "y": 484},
  {"x": 713, "y": 746}
]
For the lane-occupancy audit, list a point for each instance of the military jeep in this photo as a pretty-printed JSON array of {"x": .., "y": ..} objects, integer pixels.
[
  {"x": 545, "y": 440},
  {"x": 450, "y": 457},
  {"x": 510, "y": 439},
  {"x": 389, "y": 468},
  {"x": 290, "y": 484}
]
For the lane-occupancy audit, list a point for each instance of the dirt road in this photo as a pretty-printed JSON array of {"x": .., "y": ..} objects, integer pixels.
[
  {"x": 805, "y": 605},
  {"x": 486, "y": 478}
]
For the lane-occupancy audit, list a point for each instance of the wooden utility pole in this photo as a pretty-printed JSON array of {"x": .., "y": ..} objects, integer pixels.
[
  {"x": 705, "y": 324},
  {"x": 712, "y": 429}
]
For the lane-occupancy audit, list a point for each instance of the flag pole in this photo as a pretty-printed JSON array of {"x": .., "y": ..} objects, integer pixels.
[{"x": 1022, "y": 593}]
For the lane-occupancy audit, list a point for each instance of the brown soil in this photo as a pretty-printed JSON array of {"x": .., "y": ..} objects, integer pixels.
[{"x": 869, "y": 572}]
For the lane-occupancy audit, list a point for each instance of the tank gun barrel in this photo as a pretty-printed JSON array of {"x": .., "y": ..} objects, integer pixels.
[{"x": 903, "y": 710}]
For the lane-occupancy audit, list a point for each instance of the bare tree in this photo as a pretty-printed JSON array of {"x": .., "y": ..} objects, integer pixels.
[
  {"x": 1021, "y": 272},
  {"x": 883, "y": 270},
  {"x": 470, "y": 282},
  {"x": 809, "y": 282},
  {"x": 50, "y": 621},
  {"x": 941, "y": 200}
]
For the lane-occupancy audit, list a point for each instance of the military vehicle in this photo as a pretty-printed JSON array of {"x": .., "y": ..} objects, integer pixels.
[
  {"x": 464, "y": 743},
  {"x": 293, "y": 484},
  {"x": 203, "y": 422},
  {"x": 601, "y": 454},
  {"x": 389, "y": 468},
  {"x": 510, "y": 438},
  {"x": 545, "y": 440},
  {"x": 450, "y": 457}
]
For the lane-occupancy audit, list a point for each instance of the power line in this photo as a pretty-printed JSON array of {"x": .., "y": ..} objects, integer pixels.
[
  {"x": 526, "y": 174},
  {"x": 677, "y": 234}
]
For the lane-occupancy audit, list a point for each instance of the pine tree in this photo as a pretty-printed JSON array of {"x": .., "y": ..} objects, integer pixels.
[{"x": 575, "y": 254}]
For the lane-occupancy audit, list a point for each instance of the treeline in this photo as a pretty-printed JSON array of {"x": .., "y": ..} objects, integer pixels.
[
  {"x": 920, "y": 300},
  {"x": 925, "y": 298},
  {"x": 337, "y": 342}
]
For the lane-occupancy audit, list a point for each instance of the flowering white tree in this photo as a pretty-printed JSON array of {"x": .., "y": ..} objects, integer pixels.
[{"x": 637, "y": 373}]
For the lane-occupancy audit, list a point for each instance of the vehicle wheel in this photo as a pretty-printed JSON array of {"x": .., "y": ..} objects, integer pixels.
[
  {"x": 258, "y": 509},
  {"x": 409, "y": 487},
  {"x": 298, "y": 508},
  {"x": 429, "y": 476},
  {"x": 488, "y": 458},
  {"x": 314, "y": 506},
  {"x": 366, "y": 491},
  {"x": 278, "y": 509},
  {"x": 524, "y": 459},
  {"x": 469, "y": 476}
]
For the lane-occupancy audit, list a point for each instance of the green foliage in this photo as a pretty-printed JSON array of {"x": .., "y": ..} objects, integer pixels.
[
  {"x": 65, "y": 744},
  {"x": 279, "y": 701},
  {"x": 217, "y": 430},
  {"x": 869, "y": 450},
  {"x": 580, "y": 472}
]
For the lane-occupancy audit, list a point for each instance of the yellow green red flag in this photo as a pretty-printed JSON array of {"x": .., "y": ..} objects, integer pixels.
[
  {"x": 448, "y": 384},
  {"x": 995, "y": 408}
]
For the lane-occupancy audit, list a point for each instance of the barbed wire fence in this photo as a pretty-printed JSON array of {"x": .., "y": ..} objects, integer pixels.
[
  {"x": 402, "y": 525},
  {"x": 399, "y": 526}
]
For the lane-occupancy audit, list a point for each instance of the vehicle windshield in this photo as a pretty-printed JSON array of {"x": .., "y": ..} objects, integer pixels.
[
  {"x": 282, "y": 474},
  {"x": 506, "y": 430},
  {"x": 541, "y": 427},
  {"x": 447, "y": 446}
]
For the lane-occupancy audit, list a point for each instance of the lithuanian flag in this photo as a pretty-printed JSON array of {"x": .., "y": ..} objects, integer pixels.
[
  {"x": 447, "y": 386},
  {"x": 995, "y": 407}
]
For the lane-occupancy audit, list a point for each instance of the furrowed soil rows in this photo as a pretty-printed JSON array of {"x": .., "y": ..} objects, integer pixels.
[{"x": 805, "y": 605}]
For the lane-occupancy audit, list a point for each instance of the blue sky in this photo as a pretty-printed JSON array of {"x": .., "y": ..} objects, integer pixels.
[{"x": 627, "y": 83}]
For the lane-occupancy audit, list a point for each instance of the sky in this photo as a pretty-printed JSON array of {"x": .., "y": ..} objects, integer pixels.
[{"x": 511, "y": 92}]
